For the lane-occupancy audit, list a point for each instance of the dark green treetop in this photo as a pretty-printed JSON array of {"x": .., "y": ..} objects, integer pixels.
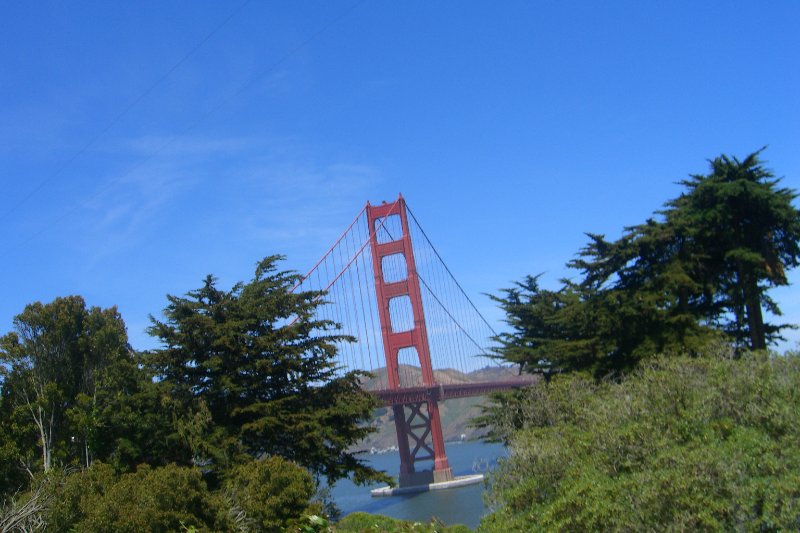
[
  {"x": 747, "y": 232},
  {"x": 246, "y": 382},
  {"x": 71, "y": 392},
  {"x": 699, "y": 271}
]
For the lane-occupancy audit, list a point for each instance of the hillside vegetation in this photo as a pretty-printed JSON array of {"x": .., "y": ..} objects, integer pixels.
[{"x": 707, "y": 443}]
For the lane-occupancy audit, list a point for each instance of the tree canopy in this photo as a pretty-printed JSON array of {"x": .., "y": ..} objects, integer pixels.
[
  {"x": 246, "y": 380},
  {"x": 71, "y": 391},
  {"x": 699, "y": 270},
  {"x": 747, "y": 232}
]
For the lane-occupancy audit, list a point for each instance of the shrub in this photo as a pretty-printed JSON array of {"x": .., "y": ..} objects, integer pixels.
[
  {"x": 155, "y": 500},
  {"x": 270, "y": 494},
  {"x": 705, "y": 443},
  {"x": 361, "y": 522}
]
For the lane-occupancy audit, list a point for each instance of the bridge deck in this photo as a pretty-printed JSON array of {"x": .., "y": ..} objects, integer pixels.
[{"x": 449, "y": 391}]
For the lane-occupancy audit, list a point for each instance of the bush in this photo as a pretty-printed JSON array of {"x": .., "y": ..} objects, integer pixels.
[
  {"x": 710, "y": 443},
  {"x": 155, "y": 500},
  {"x": 270, "y": 494},
  {"x": 363, "y": 522}
]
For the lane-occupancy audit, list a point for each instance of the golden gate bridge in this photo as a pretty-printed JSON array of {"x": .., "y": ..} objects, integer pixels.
[{"x": 416, "y": 330}]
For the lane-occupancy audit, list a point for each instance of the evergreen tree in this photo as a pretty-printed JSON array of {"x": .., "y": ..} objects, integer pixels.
[
  {"x": 552, "y": 330},
  {"x": 699, "y": 271},
  {"x": 746, "y": 229},
  {"x": 247, "y": 382}
]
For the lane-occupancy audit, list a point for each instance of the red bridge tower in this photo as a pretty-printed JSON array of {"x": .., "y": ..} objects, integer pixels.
[{"x": 419, "y": 429}]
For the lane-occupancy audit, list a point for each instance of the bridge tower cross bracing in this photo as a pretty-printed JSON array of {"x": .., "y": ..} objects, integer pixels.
[{"x": 419, "y": 434}]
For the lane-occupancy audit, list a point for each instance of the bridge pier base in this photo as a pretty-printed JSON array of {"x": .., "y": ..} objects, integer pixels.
[
  {"x": 459, "y": 481},
  {"x": 425, "y": 477},
  {"x": 419, "y": 438}
]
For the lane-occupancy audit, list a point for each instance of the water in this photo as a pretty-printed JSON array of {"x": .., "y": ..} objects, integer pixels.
[{"x": 462, "y": 505}]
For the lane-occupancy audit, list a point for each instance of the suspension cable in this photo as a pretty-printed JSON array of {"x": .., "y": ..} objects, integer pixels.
[{"x": 449, "y": 272}]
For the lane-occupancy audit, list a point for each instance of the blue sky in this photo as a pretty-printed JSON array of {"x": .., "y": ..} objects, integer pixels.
[{"x": 144, "y": 145}]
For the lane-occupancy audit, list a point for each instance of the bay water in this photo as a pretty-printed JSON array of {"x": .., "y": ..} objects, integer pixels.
[{"x": 462, "y": 505}]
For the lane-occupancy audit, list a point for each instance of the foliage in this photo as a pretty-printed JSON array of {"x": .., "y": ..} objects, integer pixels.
[
  {"x": 247, "y": 381},
  {"x": 681, "y": 444},
  {"x": 699, "y": 273},
  {"x": 160, "y": 499},
  {"x": 747, "y": 231},
  {"x": 363, "y": 522},
  {"x": 71, "y": 392},
  {"x": 11, "y": 475},
  {"x": 266, "y": 495},
  {"x": 270, "y": 494},
  {"x": 235, "y": 381}
]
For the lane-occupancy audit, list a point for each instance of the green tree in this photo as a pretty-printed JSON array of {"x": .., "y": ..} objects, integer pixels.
[
  {"x": 700, "y": 271},
  {"x": 647, "y": 293},
  {"x": 551, "y": 329},
  {"x": 54, "y": 366},
  {"x": 246, "y": 381},
  {"x": 72, "y": 392},
  {"x": 746, "y": 229},
  {"x": 12, "y": 476}
]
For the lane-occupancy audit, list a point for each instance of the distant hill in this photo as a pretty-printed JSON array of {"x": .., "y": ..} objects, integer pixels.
[{"x": 455, "y": 414}]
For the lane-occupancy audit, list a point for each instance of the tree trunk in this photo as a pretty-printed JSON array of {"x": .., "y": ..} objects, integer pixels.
[
  {"x": 43, "y": 437},
  {"x": 755, "y": 319}
]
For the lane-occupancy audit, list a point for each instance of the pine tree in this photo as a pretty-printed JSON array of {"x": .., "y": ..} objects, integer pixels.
[
  {"x": 699, "y": 271},
  {"x": 747, "y": 231},
  {"x": 246, "y": 382}
]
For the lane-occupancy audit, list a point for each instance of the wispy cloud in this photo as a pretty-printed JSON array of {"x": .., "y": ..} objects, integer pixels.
[
  {"x": 120, "y": 215},
  {"x": 252, "y": 190},
  {"x": 299, "y": 200}
]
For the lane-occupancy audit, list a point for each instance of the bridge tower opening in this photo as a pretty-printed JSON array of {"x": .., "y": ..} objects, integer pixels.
[{"x": 418, "y": 425}]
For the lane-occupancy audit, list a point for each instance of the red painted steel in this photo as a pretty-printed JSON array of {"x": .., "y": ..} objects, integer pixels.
[
  {"x": 393, "y": 342},
  {"x": 442, "y": 392},
  {"x": 352, "y": 259}
]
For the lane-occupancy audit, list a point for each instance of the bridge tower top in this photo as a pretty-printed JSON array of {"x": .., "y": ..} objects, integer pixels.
[
  {"x": 393, "y": 294},
  {"x": 390, "y": 241}
]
